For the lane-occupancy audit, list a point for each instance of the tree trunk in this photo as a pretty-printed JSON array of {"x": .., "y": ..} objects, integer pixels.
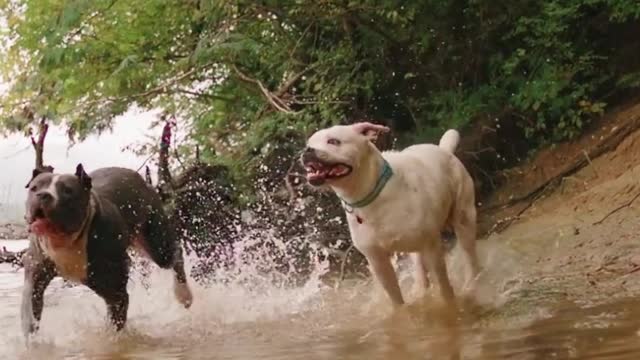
[
  {"x": 147, "y": 175},
  {"x": 38, "y": 145},
  {"x": 165, "y": 181}
]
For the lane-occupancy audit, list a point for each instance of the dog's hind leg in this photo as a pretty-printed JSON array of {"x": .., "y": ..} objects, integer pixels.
[
  {"x": 437, "y": 264},
  {"x": 180, "y": 286},
  {"x": 422, "y": 282},
  {"x": 159, "y": 239},
  {"x": 465, "y": 228},
  {"x": 164, "y": 249},
  {"x": 38, "y": 273}
]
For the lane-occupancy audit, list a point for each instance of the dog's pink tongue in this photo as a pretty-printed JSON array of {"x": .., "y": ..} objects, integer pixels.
[
  {"x": 55, "y": 237},
  {"x": 41, "y": 227},
  {"x": 339, "y": 170}
]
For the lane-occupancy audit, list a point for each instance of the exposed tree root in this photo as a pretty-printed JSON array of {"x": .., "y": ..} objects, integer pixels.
[{"x": 627, "y": 204}]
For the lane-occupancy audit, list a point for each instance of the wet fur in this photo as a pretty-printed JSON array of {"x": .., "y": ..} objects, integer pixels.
[
  {"x": 430, "y": 193},
  {"x": 121, "y": 208}
]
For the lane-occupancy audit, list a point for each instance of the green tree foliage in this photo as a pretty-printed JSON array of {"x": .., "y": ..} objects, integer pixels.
[{"x": 244, "y": 73}]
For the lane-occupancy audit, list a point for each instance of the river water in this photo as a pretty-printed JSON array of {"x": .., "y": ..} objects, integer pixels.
[{"x": 319, "y": 322}]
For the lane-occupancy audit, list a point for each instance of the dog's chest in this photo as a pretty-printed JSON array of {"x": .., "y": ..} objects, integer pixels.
[
  {"x": 406, "y": 234},
  {"x": 70, "y": 262}
]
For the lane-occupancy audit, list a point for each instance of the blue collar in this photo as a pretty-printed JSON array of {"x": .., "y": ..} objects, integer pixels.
[{"x": 385, "y": 175}]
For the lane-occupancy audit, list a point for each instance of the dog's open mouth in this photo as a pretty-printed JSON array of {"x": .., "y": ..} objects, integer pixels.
[
  {"x": 36, "y": 216},
  {"x": 39, "y": 224},
  {"x": 319, "y": 172}
]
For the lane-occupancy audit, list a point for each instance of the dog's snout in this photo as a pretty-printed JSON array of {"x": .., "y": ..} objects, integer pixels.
[
  {"x": 45, "y": 197},
  {"x": 309, "y": 154}
]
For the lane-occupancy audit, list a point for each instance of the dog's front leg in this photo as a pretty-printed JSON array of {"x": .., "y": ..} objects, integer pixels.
[
  {"x": 109, "y": 281},
  {"x": 380, "y": 262},
  {"x": 118, "y": 307},
  {"x": 38, "y": 273}
]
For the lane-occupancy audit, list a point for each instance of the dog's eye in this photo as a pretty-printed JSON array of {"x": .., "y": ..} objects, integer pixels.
[
  {"x": 66, "y": 190},
  {"x": 333, "y": 141},
  {"x": 33, "y": 188}
]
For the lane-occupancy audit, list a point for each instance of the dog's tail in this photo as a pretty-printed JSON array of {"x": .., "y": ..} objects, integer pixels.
[{"x": 450, "y": 140}]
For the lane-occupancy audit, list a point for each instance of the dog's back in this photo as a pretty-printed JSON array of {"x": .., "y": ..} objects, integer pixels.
[
  {"x": 440, "y": 176},
  {"x": 441, "y": 157},
  {"x": 128, "y": 191},
  {"x": 141, "y": 209}
]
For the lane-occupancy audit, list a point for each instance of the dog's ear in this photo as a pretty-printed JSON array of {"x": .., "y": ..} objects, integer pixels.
[
  {"x": 85, "y": 180},
  {"x": 38, "y": 171},
  {"x": 369, "y": 130}
]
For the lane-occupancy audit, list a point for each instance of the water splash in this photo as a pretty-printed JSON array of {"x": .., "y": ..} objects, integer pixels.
[{"x": 258, "y": 302}]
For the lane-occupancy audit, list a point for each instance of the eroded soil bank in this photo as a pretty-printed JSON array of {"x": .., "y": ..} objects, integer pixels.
[{"x": 573, "y": 213}]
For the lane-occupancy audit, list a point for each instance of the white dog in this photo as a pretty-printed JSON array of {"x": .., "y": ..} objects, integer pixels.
[{"x": 398, "y": 201}]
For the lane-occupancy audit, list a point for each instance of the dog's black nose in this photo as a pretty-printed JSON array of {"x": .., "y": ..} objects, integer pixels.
[
  {"x": 309, "y": 154},
  {"x": 45, "y": 197}
]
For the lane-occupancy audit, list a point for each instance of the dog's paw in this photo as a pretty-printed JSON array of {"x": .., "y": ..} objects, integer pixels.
[
  {"x": 30, "y": 328},
  {"x": 470, "y": 287},
  {"x": 183, "y": 294}
]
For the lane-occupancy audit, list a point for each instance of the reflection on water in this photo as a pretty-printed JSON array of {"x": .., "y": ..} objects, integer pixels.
[{"x": 318, "y": 322}]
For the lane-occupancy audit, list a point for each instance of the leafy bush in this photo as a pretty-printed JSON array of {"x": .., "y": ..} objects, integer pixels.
[{"x": 247, "y": 73}]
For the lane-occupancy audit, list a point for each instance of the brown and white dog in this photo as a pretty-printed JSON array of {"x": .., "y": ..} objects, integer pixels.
[
  {"x": 398, "y": 201},
  {"x": 81, "y": 228}
]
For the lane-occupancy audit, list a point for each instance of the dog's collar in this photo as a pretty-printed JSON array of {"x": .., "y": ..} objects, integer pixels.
[
  {"x": 385, "y": 175},
  {"x": 84, "y": 228}
]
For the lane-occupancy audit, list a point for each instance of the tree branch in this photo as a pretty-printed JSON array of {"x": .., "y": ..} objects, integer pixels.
[
  {"x": 153, "y": 91},
  {"x": 147, "y": 176},
  {"x": 274, "y": 101},
  {"x": 163, "y": 87},
  {"x": 38, "y": 145},
  {"x": 203, "y": 95},
  {"x": 197, "y": 154},
  {"x": 288, "y": 184},
  {"x": 343, "y": 265},
  {"x": 86, "y": 21},
  {"x": 292, "y": 80},
  {"x": 372, "y": 25},
  {"x": 164, "y": 174},
  {"x": 304, "y": 33},
  {"x": 145, "y": 162}
]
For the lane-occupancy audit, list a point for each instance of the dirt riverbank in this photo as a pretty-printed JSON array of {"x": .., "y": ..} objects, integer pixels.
[{"x": 573, "y": 211}]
